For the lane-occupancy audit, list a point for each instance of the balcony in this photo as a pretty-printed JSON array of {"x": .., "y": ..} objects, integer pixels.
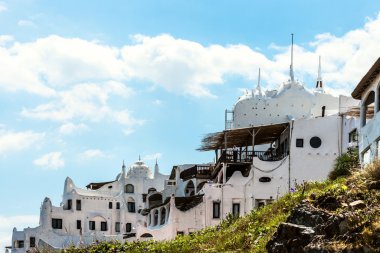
[
  {"x": 197, "y": 171},
  {"x": 231, "y": 156}
]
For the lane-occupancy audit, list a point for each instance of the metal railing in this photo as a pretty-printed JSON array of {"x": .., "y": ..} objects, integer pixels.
[{"x": 236, "y": 156}]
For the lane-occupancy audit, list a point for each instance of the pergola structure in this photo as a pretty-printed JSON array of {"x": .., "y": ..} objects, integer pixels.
[{"x": 242, "y": 137}]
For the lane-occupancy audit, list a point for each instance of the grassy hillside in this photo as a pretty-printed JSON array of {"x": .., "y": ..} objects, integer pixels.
[{"x": 252, "y": 232}]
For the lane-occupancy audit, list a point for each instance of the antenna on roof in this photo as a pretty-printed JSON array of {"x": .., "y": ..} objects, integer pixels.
[{"x": 291, "y": 63}]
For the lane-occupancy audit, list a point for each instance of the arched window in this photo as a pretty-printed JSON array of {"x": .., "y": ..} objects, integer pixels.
[
  {"x": 189, "y": 190},
  {"x": 155, "y": 199},
  {"x": 131, "y": 205},
  {"x": 368, "y": 109},
  {"x": 129, "y": 188},
  {"x": 378, "y": 98},
  {"x": 163, "y": 215},
  {"x": 151, "y": 190},
  {"x": 155, "y": 218}
]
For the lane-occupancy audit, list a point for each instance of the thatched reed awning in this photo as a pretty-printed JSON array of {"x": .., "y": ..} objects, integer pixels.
[
  {"x": 355, "y": 112},
  {"x": 242, "y": 137},
  {"x": 367, "y": 80}
]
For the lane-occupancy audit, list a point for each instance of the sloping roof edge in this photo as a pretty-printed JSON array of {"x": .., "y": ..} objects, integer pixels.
[{"x": 372, "y": 73}]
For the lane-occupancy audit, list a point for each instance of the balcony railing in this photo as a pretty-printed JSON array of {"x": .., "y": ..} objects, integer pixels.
[
  {"x": 236, "y": 156},
  {"x": 197, "y": 171}
]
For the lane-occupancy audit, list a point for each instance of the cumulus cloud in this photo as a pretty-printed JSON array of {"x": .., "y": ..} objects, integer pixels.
[
  {"x": 86, "y": 101},
  {"x": 7, "y": 223},
  {"x": 70, "y": 128},
  {"x": 93, "y": 153},
  {"x": 52, "y": 160},
  {"x": 16, "y": 141}
]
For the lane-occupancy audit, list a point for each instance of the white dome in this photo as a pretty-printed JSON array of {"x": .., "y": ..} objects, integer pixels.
[{"x": 139, "y": 169}]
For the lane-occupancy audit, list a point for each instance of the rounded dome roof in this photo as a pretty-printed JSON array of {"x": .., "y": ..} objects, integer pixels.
[{"x": 139, "y": 169}]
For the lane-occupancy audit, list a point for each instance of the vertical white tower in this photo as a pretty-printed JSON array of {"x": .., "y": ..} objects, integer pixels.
[{"x": 319, "y": 85}]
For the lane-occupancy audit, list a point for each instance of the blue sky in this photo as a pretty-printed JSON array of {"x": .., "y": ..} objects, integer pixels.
[{"x": 85, "y": 85}]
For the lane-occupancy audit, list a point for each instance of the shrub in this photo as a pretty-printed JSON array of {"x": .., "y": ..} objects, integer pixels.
[
  {"x": 373, "y": 170},
  {"x": 344, "y": 164}
]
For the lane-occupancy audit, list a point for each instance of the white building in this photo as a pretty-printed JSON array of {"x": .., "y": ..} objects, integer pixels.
[
  {"x": 273, "y": 141},
  {"x": 368, "y": 91},
  {"x": 103, "y": 211}
]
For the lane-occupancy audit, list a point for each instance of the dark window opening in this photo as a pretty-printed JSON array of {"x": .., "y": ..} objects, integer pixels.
[
  {"x": 180, "y": 233},
  {"x": 92, "y": 225},
  {"x": 117, "y": 205},
  {"x": 144, "y": 197},
  {"x": 110, "y": 205},
  {"x": 299, "y": 143},
  {"x": 103, "y": 226},
  {"x": 117, "y": 227},
  {"x": 131, "y": 207},
  {"x": 236, "y": 209},
  {"x": 129, "y": 188},
  {"x": 216, "y": 210},
  {"x": 315, "y": 142},
  {"x": 32, "y": 242},
  {"x": 79, "y": 224},
  {"x": 353, "y": 136},
  {"x": 56, "y": 223},
  {"x": 69, "y": 204},
  {"x": 150, "y": 190},
  {"x": 20, "y": 244},
  {"x": 128, "y": 227},
  {"x": 79, "y": 204}
]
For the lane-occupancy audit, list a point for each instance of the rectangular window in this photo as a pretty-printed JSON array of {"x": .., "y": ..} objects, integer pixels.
[
  {"x": 32, "y": 242},
  {"x": 69, "y": 204},
  {"x": 92, "y": 225},
  {"x": 299, "y": 143},
  {"x": 20, "y": 244},
  {"x": 236, "y": 209},
  {"x": 216, "y": 210},
  {"x": 144, "y": 197},
  {"x": 131, "y": 207},
  {"x": 103, "y": 226},
  {"x": 56, "y": 223},
  {"x": 117, "y": 205},
  {"x": 79, "y": 204},
  {"x": 128, "y": 227},
  {"x": 79, "y": 224},
  {"x": 117, "y": 227},
  {"x": 353, "y": 136},
  {"x": 110, "y": 205}
]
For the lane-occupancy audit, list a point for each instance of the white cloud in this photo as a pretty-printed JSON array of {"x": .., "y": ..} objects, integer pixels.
[
  {"x": 49, "y": 65},
  {"x": 26, "y": 23},
  {"x": 93, "y": 153},
  {"x": 4, "y": 39},
  {"x": 3, "y": 7},
  {"x": 7, "y": 223},
  {"x": 52, "y": 160},
  {"x": 70, "y": 128},
  {"x": 85, "y": 102},
  {"x": 152, "y": 156},
  {"x": 17, "y": 141}
]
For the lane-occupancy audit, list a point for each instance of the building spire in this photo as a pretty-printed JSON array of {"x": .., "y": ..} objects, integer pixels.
[
  {"x": 291, "y": 63},
  {"x": 139, "y": 158},
  {"x": 123, "y": 167},
  {"x": 319, "y": 85}
]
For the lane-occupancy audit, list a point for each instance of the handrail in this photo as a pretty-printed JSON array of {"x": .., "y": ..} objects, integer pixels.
[{"x": 236, "y": 156}]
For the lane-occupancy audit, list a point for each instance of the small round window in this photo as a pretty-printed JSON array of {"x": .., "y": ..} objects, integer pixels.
[{"x": 315, "y": 142}]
